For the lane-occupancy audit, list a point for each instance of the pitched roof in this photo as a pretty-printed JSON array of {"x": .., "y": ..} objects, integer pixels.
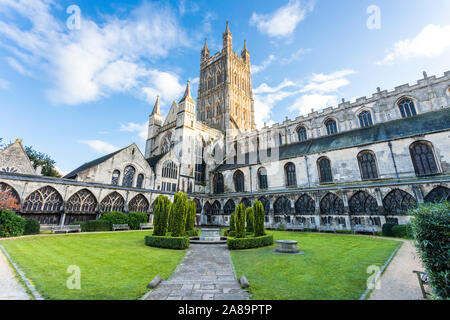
[
  {"x": 153, "y": 161},
  {"x": 418, "y": 125},
  {"x": 88, "y": 165}
]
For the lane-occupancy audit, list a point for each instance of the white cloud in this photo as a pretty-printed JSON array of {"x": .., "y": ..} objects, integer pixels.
[
  {"x": 431, "y": 42},
  {"x": 98, "y": 60},
  {"x": 283, "y": 21},
  {"x": 164, "y": 84},
  {"x": 264, "y": 65},
  {"x": 4, "y": 85},
  {"x": 309, "y": 102},
  {"x": 295, "y": 56},
  {"x": 321, "y": 77},
  {"x": 140, "y": 128},
  {"x": 18, "y": 66},
  {"x": 100, "y": 146},
  {"x": 264, "y": 88}
]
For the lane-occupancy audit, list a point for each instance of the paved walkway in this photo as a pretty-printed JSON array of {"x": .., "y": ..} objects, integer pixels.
[
  {"x": 10, "y": 288},
  {"x": 398, "y": 282},
  {"x": 206, "y": 273}
]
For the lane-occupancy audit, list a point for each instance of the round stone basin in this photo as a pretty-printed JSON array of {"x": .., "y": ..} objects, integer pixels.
[{"x": 287, "y": 246}]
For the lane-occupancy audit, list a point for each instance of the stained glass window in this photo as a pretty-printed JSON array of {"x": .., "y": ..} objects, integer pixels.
[{"x": 407, "y": 108}]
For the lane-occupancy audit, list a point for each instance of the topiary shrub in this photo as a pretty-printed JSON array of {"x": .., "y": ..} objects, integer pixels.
[
  {"x": 32, "y": 226},
  {"x": 240, "y": 220},
  {"x": 249, "y": 219},
  {"x": 431, "y": 229},
  {"x": 402, "y": 231},
  {"x": 178, "y": 243},
  {"x": 192, "y": 233},
  {"x": 248, "y": 243},
  {"x": 191, "y": 211},
  {"x": 386, "y": 230},
  {"x": 232, "y": 222},
  {"x": 11, "y": 225},
  {"x": 179, "y": 214},
  {"x": 115, "y": 217},
  {"x": 258, "y": 213},
  {"x": 161, "y": 211},
  {"x": 136, "y": 218}
]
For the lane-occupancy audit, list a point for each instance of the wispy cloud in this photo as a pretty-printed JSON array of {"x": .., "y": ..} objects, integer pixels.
[
  {"x": 283, "y": 21},
  {"x": 99, "y": 146},
  {"x": 263, "y": 65},
  {"x": 297, "y": 55},
  {"x": 140, "y": 128},
  {"x": 431, "y": 42}
]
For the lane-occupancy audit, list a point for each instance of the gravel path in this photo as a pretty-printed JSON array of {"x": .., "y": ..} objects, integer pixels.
[
  {"x": 10, "y": 288},
  {"x": 398, "y": 282},
  {"x": 206, "y": 273}
]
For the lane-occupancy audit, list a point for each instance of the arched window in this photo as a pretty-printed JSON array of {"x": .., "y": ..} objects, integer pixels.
[
  {"x": 398, "y": 202},
  {"x": 43, "y": 200},
  {"x": 301, "y": 133},
  {"x": 362, "y": 203},
  {"x": 331, "y": 204},
  {"x": 140, "y": 181},
  {"x": 266, "y": 204},
  {"x": 128, "y": 176},
  {"x": 81, "y": 202},
  {"x": 331, "y": 126},
  {"x": 138, "y": 204},
  {"x": 115, "y": 178},
  {"x": 7, "y": 193},
  {"x": 365, "y": 119},
  {"x": 262, "y": 178},
  {"x": 200, "y": 164},
  {"x": 305, "y": 205},
  {"x": 169, "y": 170},
  {"x": 229, "y": 207},
  {"x": 324, "y": 166},
  {"x": 247, "y": 203},
  {"x": 438, "y": 194},
  {"x": 238, "y": 181},
  {"x": 112, "y": 202},
  {"x": 422, "y": 156},
  {"x": 218, "y": 183},
  {"x": 367, "y": 165},
  {"x": 407, "y": 108},
  {"x": 282, "y": 206},
  {"x": 208, "y": 209},
  {"x": 291, "y": 179},
  {"x": 198, "y": 206},
  {"x": 216, "y": 207}
]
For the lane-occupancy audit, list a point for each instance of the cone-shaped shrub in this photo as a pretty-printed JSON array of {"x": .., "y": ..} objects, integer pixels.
[
  {"x": 190, "y": 216},
  {"x": 250, "y": 219},
  {"x": 179, "y": 214},
  {"x": 232, "y": 222},
  {"x": 240, "y": 220},
  {"x": 160, "y": 215},
  {"x": 258, "y": 213}
]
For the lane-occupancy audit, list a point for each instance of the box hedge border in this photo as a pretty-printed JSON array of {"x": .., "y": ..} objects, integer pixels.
[
  {"x": 250, "y": 242},
  {"x": 178, "y": 243}
]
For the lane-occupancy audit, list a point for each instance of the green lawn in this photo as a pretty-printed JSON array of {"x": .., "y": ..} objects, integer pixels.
[
  {"x": 113, "y": 265},
  {"x": 332, "y": 267}
]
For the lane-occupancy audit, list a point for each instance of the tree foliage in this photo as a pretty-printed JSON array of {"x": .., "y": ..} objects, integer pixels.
[
  {"x": 258, "y": 212},
  {"x": 249, "y": 219},
  {"x": 232, "y": 222},
  {"x": 179, "y": 214},
  {"x": 191, "y": 209},
  {"x": 8, "y": 202},
  {"x": 240, "y": 220},
  {"x": 161, "y": 211},
  {"x": 44, "y": 160}
]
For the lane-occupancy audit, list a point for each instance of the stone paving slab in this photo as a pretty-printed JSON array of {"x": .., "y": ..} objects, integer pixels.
[{"x": 206, "y": 273}]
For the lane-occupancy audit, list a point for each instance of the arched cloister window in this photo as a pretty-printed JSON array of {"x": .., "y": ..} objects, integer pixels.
[
  {"x": 362, "y": 203},
  {"x": 229, "y": 207},
  {"x": 367, "y": 165},
  {"x": 423, "y": 159},
  {"x": 331, "y": 204},
  {"x": 81, "y": 202},
  {"x": 216, "y": 207},
  {"x": 301, "y": 133},
  {"x": 398, "y": 202},
  {"x": 208, "y": 209},
  {"x": 43, "y": 200},
  {"x": 266, "y": 204},
  {"x": 138, "y": 204},
  {"x": 282, "y": 206},
  {"x": 169, "y": 170},
  {"x": 218, "y": 183},
  {"x": 305, "y": 205},
  {"x": 247, "y": 203},
  {"x": 198, "y": 206},
  {"x": 238, "y": 178},
  {"x": 324, "y": 166},
  {"x": 8, "y": 192},
  {"x": 262, "y": 178},
  {"x": 438, "y": 194},
  {"x": 112, "y": 202},
  {"x": 407, "y": 108},
  {"x": 331, "y": 126},
  {"x": 128, "y": 176},
  {"x": 291, "y": 178},
  {"x": 140, "y": 181},
  {"x": 115, "y": 178},
  {"x": 365, "y": 119}
]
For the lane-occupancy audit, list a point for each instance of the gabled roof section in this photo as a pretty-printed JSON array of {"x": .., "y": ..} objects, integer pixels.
[
  {"x": 14, "y": 158},
  {"x": 153, "y": 161},
  {"x": 421, "y": 124},
  {"x": 172, "y": 115}
]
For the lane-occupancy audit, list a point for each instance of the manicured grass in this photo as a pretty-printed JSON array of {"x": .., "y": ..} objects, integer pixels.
[
  {"x": 332, "y": 267},
  {"x": 113, "y": 265}
]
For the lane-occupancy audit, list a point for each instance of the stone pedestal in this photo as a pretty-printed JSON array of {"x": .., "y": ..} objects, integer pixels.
[{"x": 287, "y": 246}]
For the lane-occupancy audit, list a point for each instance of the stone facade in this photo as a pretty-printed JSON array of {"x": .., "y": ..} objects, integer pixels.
[{"x": 14, "y": 159}]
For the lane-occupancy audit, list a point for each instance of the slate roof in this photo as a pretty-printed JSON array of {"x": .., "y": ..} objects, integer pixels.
[
  {"x": 153, "y": 161},
  {"x": 418, "y": 125},
  {"x": 88, "y": 165}
]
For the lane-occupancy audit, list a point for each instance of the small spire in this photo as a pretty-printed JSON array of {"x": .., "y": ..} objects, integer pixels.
[
  {"x": 156, "y": 109},
  {"x": 227, "y": 30},
  {"x": 245, "y": 45},
  {"x": 187, "y": 92}
]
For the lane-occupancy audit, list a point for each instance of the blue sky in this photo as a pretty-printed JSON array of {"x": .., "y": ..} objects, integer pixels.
[{"x": 76, "y": 94}]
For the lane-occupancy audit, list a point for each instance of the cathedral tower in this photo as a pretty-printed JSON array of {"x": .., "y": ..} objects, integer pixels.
[{"x": 225, "y": 98}]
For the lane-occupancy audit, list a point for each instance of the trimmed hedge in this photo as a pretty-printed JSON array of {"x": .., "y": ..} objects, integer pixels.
[
  {"x": 32, "y": 226},
  {"x": 431, "y": 227},
  {"x": 94, "y": 225},
  {"x": 161, "y": 211},
  {"x": 115, "y": 217},
  {"x": 178, "y": 243},
  {"x": 11, "y": 225},
  {"x": 192, "y": 233},
  {"x": 386, "y": 230},
  {"x": 402, "y": 231},
  {"x": 248, "y": 243},
  {"x": 136, "y": 218}
]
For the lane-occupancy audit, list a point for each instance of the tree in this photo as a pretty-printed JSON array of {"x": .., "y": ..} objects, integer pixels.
[
  {"x": 250, "y": 219},
  {"x": 232, "y": 222},
  {"x": 240, "y": 220},
  {"x": 191, "y": 209},
  {"x": 258, "y": 212},
  {"x": 8, "y": 202},
  {"x": 160, "y": 215},
  {"x": 179, "y": 214},
  {"x": 44, "y": 160}
]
